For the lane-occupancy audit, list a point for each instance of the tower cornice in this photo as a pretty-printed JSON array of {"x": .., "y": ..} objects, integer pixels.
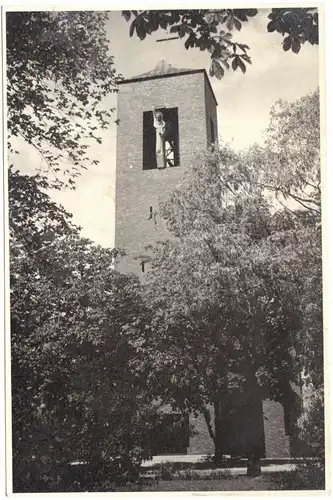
[{"x": 182, "y": 72}]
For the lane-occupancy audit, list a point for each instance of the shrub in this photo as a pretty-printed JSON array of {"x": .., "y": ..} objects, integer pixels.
[{"x": 306, "y": 477}]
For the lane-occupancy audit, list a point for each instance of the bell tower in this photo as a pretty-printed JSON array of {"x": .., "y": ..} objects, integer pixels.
[{"x": 166, "y": 116}]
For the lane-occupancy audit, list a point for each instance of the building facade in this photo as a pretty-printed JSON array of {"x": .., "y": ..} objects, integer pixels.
[{"x": 182, "y": 100}]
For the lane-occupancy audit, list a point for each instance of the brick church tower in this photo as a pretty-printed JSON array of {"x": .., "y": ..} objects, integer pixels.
[
  {"x": 187, "y": 102},
  {"x": 147, "y": 171}
]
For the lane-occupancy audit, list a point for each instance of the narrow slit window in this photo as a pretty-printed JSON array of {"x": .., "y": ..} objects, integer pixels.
[
  {"x": 166, "y": 145},
  {"x": 212, "y": 131},
  {"x": 150, "y": 212},
  {"x": 142, "y": 266}
]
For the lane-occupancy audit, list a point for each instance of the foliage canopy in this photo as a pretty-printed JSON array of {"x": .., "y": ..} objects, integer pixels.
[
  {"x": 213, "y": 30},
  {"x": 78, "y": 373},
  {"x": 58, "y": 71}
]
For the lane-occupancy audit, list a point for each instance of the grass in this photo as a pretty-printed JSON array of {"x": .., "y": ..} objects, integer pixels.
[
  {"x": 306, "y": 478},
  {"x": 239, "y": 483}
]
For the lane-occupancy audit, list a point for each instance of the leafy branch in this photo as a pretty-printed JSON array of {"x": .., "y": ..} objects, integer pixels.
[{"x": 212, "y": 30}]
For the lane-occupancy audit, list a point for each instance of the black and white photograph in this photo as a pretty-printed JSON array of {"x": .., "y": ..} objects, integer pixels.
[{"x": 164, "y": 225}]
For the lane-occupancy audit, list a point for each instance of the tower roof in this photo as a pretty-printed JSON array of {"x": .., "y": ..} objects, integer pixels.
[{"x": 162, "y": 68}]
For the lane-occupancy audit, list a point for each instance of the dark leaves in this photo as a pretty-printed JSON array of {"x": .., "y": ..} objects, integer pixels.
[
  {"x": 72, "y": 348},
  {"x": 241, "y": 15},
  {"x": 298, "y": 23},
  {"x": 238, "y": 63},
  {"x": 251, "y": 12}
]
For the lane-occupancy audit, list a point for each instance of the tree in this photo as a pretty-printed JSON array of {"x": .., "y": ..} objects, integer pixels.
[
  {"x": 212, "y": 30},
  {"x": 210, "y": 305},
  {"x": 58, "y": 71},
  {"x": 293, "y": 141},
  {"x": 78, "y": 370},
  {"x": 288, "y": 168},
  {"x": 230, "y": 294}
]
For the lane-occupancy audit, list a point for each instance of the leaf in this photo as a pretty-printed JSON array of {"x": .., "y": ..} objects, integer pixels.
[
  {"x": 191, "y": 40},
  {"x": 295, "y": 46},
  {"x": 154, "y": 23},
  {"x": 218, "y": 70},
  {"x": 243, "y": 46},
  {"x": 181, "y": 31},
  {"x": 225, "y": 63},
  {"x": 251, "y": 12},
  {"x": 175, "y": 28},
  {"x": 210, "y": 17},
  {"x": 237, "y": 24},
  {"x": 141, "y": 28},
  {"x": 230, "y": 23},
  {"x": 141, "y": 34},
  {"x": 234, "y": 63},
  {"x": 163, "y": 22},
  {"x": 240, "y": 14},
  {"x": 287, "y": 43},
  {"x": 203, "y": 43},
  {"x": 132, "y": 27},
  {"x": 271, "y": 26},
  {"x": 246, "y": 58},
  {"x": 126, "y": 14},
  {"x": 241, "y": 65},
  {"x": 222, "y": 16}
]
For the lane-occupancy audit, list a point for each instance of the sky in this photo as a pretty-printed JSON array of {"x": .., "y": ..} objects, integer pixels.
[{"x": 244, "y": 103}]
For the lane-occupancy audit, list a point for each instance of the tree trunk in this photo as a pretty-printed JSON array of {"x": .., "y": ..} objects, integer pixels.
[
  {"x": 253, "y": 462},
  {"x": 206, "y": 415},
  {"x": 218, "y": 433},
  {"x": 215, "y": 434}
]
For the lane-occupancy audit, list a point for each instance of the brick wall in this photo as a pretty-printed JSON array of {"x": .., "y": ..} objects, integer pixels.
[
  {"x": 201, "y": 443},
  {"x": 211, "y": 113},
  {"x": 276, "y": 441}
]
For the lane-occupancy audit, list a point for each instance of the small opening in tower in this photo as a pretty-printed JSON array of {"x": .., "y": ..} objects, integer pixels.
[
  {"x": 150, "y": 212},
  {"x": 142, "y": 266},
  {"x": 212, "y": 131},
  {"x": 161, "y": 142}
]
